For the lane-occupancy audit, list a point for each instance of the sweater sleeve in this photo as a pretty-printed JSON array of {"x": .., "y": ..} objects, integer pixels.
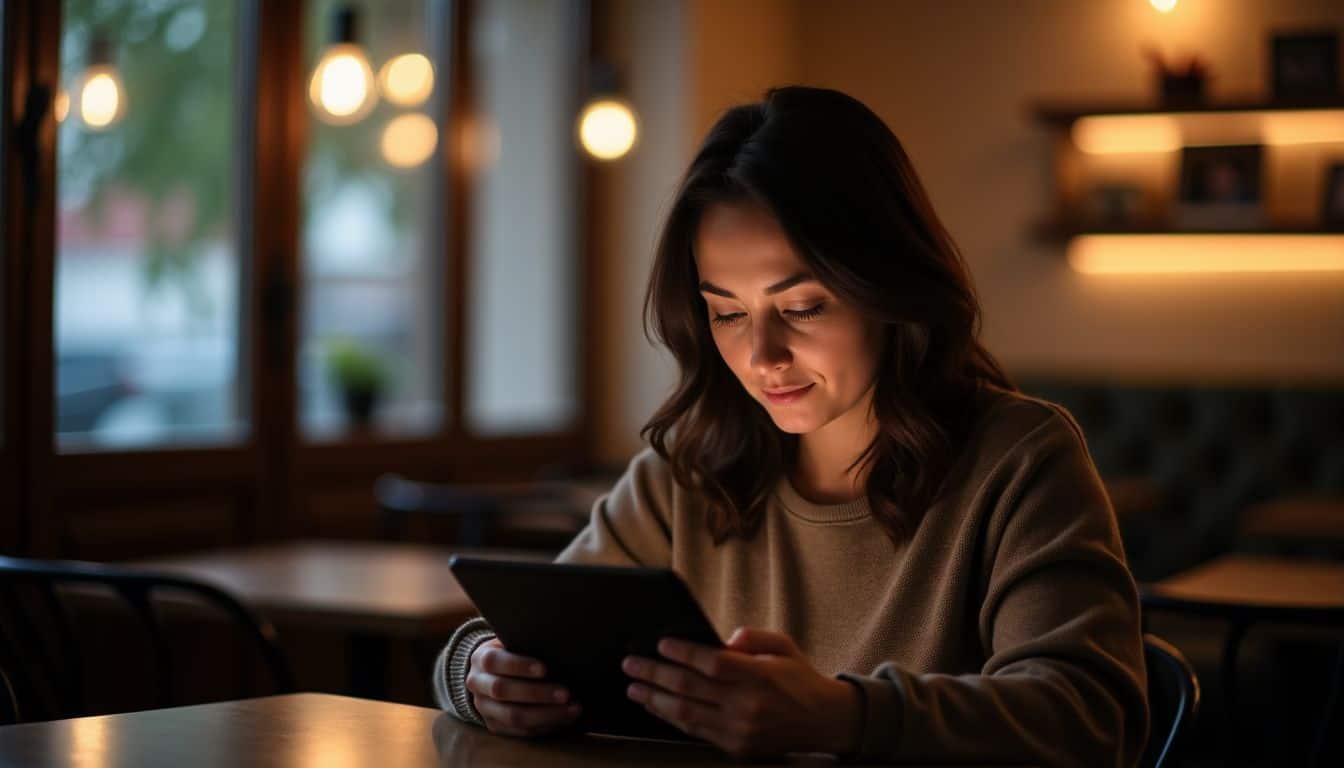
[{"x": 1063, "y": 683}]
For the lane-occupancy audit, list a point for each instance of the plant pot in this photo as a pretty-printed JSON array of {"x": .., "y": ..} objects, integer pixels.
[
  {"x": 359, "y": 405},
  {"x": 1181, "y": 90}
]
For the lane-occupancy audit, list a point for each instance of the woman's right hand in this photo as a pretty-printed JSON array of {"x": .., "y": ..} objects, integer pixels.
[{"x": 510, "y": 693}]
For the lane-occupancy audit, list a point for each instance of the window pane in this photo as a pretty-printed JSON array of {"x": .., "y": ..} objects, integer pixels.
[
  {"x": 522, "y": 328},
  {"x": 147, "y": 267},
  {"x": 373, "y": 285}
]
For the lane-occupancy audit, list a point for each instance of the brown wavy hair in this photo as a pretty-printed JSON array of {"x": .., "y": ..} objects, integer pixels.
[{"x": 845, "y": 194}]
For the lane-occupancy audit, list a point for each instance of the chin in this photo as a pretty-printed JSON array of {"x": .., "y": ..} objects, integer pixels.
[{"x": 795, "y": 423}]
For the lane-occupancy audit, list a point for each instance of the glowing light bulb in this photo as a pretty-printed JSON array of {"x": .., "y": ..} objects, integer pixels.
[
  {"x": 101, "y": 97},
  {"x": 1164, "y": 6},
  {"x": 341, "y": 89},
  {"x": 60, "y": 105},
  {"x": 407, "y": 80},
  {"x": 607, "y": 128},
  {"x": 409, "y": 140}
]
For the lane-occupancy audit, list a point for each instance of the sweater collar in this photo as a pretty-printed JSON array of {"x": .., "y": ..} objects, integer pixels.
[{"x": 799, "y": 507}]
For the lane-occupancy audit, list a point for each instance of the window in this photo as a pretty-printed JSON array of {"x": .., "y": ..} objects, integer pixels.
[
  {"x": 147, "y": 277},
  {"x": 373, "y": 279},
  {"x": 522, "y": 327}
]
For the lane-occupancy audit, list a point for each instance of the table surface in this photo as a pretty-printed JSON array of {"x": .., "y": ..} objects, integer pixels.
[
  {"x": 1259, "y": 580},
  {"x": 388, "y": 588},
  {"x": 308, "y": 730}
]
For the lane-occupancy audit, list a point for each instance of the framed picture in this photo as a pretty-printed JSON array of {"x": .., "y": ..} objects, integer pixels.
[
  {"x": 1332, "y": 207},
  {"x": 1220, "y": 188},
  {"x": 1305, "y": 66}
]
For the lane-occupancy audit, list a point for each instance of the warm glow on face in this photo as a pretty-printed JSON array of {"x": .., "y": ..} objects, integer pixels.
[
  {"x": 342, "y": 85},
  {"x": 100, "y": 100},
  {"x": 1164, "y": 6},
  {"x": 607, "y": 129},
  {"x": 1113, "y": 134},
  {"x": 801, "y": 337},
  {"x": 1183, "y": 254},
  {"x": 409, "y": 140},
  {"x": 407, "y": 80}
]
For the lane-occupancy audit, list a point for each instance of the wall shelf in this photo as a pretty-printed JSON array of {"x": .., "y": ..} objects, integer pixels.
[
  {"x": 1060, "y": 233},
  {"x": 1063, "y": 114}
]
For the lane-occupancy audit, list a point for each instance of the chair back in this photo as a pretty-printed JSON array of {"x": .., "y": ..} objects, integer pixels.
[
  {"x": 1173, "y": 700},
  {"x": 9, "y": 706},
  {"x": 44, "y": 655},
  {"x": 481, "y": 513}
]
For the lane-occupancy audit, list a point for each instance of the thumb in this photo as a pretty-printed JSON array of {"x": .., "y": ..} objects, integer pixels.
[{"x": 748, "y": 640}]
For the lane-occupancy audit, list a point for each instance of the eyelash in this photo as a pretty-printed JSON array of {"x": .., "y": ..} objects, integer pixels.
[{"x": 810, "y": 313}]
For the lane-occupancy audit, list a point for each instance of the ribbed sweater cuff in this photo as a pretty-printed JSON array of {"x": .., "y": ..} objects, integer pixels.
[
  {"x": 883, "y": 718},
  {"x": 452, "y": 665}
]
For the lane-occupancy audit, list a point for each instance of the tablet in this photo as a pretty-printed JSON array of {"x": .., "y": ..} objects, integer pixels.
[{"x": 581, "y": 621}]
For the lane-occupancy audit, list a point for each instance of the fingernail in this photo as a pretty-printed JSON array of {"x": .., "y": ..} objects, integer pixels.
[
  {"x": 631, "y": 665},
  {"x": 535, "y": 669},
  {"x": 561, "y": 696}
]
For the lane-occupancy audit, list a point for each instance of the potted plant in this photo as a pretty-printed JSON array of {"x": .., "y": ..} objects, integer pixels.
[{"x": 361, "y": 376}]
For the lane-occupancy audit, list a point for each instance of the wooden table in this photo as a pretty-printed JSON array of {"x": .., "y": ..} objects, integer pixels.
[
  {"x": 1258, "y": 582},
  {"x": 1245, "y": 590},
  {"x": 371, "y": 592},
  {"x": 308, "y": 729}
]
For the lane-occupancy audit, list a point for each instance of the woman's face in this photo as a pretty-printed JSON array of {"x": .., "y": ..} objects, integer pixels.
[{"x": 799, "y": 351}]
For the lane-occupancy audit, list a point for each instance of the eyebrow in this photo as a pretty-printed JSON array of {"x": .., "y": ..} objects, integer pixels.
[{"x": 782, "y": 285}]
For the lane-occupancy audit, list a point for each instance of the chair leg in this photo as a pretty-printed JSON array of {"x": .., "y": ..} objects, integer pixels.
[
  {"x": 1231, "y": 648},
  {"x": 1328, "y": 712}
]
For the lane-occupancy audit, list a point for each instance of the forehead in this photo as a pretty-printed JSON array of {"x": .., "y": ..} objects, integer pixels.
[{"x": 743, "y": 247}]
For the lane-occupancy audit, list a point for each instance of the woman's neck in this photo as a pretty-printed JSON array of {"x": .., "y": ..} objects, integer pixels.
[{"x": 822, "y": 472}]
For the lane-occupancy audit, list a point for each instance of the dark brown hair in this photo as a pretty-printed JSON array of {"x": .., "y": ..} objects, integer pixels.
[{"x": 846, "y": 196}]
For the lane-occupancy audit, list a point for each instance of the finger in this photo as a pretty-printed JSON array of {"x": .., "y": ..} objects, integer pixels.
[
  {"x": 496, "y": 660},
  {"x": 685, "y": 713},
  {"x": 512, "y": 689},
  {"x": 748, "y": 640},
  {"x": 713, "y": 663},
  {"x": 677, "y": 678},
  {"x": 525, "y": 718}
]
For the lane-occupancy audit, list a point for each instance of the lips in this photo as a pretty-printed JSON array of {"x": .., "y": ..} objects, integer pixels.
[{"x": 784, "y": 395}]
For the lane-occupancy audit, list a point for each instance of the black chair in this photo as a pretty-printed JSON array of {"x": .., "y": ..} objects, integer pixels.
[
  {"x": 9, "y": 706},
  {"x": 549, "y": 508},
  {"x": 44, "y": 654},
  {"x": 1240, "y": 618},
  {"x": 1173, "y": 700}
]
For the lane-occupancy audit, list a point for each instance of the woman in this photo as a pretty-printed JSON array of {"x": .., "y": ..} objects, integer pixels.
[{"x": 915, "y": 562}]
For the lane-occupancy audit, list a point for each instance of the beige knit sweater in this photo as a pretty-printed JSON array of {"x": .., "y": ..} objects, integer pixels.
[{"x": 1006, "y": 629}]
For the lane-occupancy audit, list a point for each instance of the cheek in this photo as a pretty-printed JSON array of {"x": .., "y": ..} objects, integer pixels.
[{"x": 734, "y": 353}]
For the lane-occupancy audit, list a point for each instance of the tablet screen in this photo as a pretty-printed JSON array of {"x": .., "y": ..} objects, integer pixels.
[{"x": 581, "y": 621}]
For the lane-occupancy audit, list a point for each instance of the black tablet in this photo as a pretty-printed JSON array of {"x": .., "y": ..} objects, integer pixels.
[{"x": 581, "y": 621}]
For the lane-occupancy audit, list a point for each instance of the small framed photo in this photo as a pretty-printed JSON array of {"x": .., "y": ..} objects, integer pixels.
[
  {"x": 1305, "y": 66},
  {"x": 1220, "y": 188},
  {"x": 1332, "y": 207}
]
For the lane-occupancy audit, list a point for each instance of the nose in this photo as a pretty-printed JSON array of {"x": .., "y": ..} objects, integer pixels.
[{"x": 769, "y": 348}]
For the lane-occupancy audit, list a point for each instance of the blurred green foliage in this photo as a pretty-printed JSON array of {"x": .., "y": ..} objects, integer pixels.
[{"x": 176, "y": 148}]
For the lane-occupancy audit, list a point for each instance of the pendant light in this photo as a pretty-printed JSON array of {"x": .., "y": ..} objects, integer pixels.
[
  {"x": 607, "y": 127},
  {"x": 342, "y": 88},
  {"x": 102, "y": 96}
]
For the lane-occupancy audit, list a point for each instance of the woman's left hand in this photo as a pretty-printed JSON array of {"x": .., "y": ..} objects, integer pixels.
[{"x": 758, "y": 697}]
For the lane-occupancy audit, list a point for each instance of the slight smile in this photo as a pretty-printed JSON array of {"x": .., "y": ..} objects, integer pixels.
[{"x": 786, "y": 395}]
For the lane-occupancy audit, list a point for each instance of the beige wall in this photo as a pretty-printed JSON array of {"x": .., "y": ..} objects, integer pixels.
[{"x": 956, "y": 80}]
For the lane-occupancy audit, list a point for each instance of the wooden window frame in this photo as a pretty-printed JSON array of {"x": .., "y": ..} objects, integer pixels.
[{"x": 273, "y": 473}]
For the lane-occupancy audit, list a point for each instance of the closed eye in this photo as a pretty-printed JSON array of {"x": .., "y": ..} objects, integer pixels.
[
  {"x": 728, "y": 319},
  {"x": 806, "y": 314}
]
